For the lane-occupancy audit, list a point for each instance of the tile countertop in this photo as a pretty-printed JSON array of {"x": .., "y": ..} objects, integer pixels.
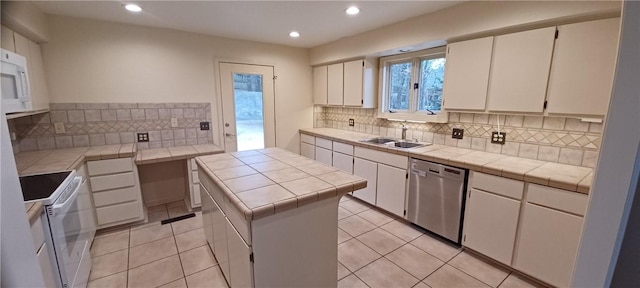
[
  {"x": 264, "y": 182},
  {"x": 148, "y": 156},
  {"x": 45, "y": 161},
  {"x": 562, "y": 176}
]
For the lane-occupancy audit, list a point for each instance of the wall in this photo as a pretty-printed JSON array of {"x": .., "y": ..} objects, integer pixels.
[
  {"x": 95, "y": 124},
  {"x": 553, "y": 139},
  {"x": 100, "y": 62},
  {"x": 26, "y": 19},
  {"x": 463, "y": 20}
]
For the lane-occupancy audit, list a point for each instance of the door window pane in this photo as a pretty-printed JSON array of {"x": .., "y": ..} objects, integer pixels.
[
  {"x": 249, "y": 108},
  {"x": 431, "y": 81},
  {"x": 399, "y": 86}
]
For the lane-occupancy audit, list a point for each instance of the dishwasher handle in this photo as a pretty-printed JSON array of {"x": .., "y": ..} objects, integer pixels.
[{"x": 419, "y": 173}]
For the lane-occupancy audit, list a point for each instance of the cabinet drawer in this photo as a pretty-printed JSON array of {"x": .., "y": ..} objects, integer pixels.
[
  {"x": 324, "y": 143},
  {"x": 196, "y": 200},
  {"x": 213, "y": 190},
  {"x": 343, "y": 148},
  {"x": 111, "y": 197},
  {"x": 194, "y": 177},
  {"x": 559, "y": 199},
  {"x": 37, "y": 233},
  {"x": 498, "y": 185},
  {"x": 100, "y": 183},
  {"x": 194, "y": 166},
  {"x": 119, "y": 213},
  {"x": 238, "y": 221},
  {"x": 382, "y": 157},
  {"x": 308, "y": 139},
  {"x": 110, "y": 166}
]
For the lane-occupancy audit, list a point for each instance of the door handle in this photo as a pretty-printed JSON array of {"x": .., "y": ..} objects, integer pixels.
[{"x": 229, "y": 134}]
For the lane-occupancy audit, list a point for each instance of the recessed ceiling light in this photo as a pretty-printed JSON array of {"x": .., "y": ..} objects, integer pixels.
[
  {"x": 353, "y": 10},
  {"x": 132, "y": 8},
  {"x": 294, "y": 34}
]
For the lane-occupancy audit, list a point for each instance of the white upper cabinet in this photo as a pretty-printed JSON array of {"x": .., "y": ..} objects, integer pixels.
[
  {"x": 583, "y": 67},
  {"x": 320, "y": 85},
  {"x": 352, "y": 83},
  {"x": 7, "y": 42},
  {"x": 467, "y": 74},
  {"x": 520, "y": 70},
  {"x": 335, "y": 83},
  {"x": 353, "y": 74}
]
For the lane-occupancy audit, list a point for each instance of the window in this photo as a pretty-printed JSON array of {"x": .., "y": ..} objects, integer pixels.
[{"x": 412, "y": 85}]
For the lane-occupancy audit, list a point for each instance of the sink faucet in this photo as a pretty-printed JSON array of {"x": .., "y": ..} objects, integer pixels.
[{"x": 404, "y": 132}]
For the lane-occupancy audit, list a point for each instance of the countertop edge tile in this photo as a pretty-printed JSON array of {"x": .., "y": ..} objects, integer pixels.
[{"x": 350, "y": 137}]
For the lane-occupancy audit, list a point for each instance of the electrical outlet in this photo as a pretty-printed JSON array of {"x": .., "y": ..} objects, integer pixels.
[
  {"x": 204, "y": 126},
  {"x": 498, "y": 138},
  {"x": 174, "y": 122},
  {"x": 458, "y": 133},
  {"x": 59, "y": 127},
  {"x": 143, "y": 137},
  {"x": 351, "y": 122}
]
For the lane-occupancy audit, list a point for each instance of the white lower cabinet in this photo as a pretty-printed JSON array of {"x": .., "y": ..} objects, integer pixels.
[
  {"x": 220, "y": 248},
  {"x": 207, "y": 217},
  {"x": 343, "y": 162},
  {"x": 308, "y": 150},
  {"x": 194, "y": 184},
  {"x": 392, "y": 186},
  {"x": 116, "y": 191},
  {"x": 490, "y": 224},
  {"x": 367, "y": 170},
  {"x": 45, "y": 265},
  {"x": 324, "y": 155},
  {"x": 239, "y": 259},
  {"x": 548, "y": 244}
]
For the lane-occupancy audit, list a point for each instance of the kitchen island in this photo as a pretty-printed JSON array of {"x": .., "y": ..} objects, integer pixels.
[{"x": 271, "y": 217}]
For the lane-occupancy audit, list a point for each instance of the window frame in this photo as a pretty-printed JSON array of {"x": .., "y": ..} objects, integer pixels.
[{"x": 413, "y": 114}]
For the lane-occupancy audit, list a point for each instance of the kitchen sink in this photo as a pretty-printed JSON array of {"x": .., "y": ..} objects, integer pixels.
[
  {"x": 399, "y": 144},
  {"x": 379, "y": 140}
]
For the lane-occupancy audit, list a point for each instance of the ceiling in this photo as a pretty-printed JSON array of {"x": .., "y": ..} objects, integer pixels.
[{"x": 319, "y": 22}]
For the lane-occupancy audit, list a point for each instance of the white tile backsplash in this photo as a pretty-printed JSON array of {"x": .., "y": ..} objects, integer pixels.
[
  {"x": 577, "y": 125},
  {"x": 532, "y": 122},
  {"x": 571, "y": 156}
]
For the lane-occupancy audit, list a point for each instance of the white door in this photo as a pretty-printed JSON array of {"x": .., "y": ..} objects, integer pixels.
[
  {"x": 320, "y": 85},
  {"x": 335, "y": 82},
  {"x": 324, "y": 155},
  {"x": 392, "y": 185},
  {"x": 343, "y": 162},
  {"x": 490, "y": 225},
  {"x": 239, "y": 259},
  {"x": 467, "y": 74},
  {"x": 353, "y": 76},
  {"x": 367, "y": 170},
  {"x": 248, "y": 106}
]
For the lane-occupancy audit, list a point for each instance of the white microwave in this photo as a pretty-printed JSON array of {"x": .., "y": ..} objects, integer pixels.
[{"x": 16, "y": 95}]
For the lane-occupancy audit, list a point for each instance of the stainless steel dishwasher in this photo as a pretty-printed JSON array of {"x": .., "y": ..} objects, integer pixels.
[{"x": 436, "y": 195}]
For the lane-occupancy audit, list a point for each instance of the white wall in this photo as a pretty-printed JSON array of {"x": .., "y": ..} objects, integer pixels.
[
  {"x": 615, "y": 180},
  {"x": 102, "y": 62},
  {"x": 462, "y": 20}
]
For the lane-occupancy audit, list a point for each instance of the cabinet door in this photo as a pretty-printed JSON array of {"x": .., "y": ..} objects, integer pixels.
[
  {"x": 343, "y": 162},
  {"x": 7, "y": 42},
  {"x": 207, "y": 217},
  {"x": 39, "y": 87},
  {"x": 307, "y": 150},
  {"x": 22, "y": 45},
  {"x": 392, "y": 184},
  {"x": 324, "y": 155},
  {"x": 520, "y": 70},
  {"x": 582, "y": 71},
  {"x": 239, "y": 259},
  {"x": 335, "y": 82},
  {"x": 467, "y": 74},
  {"x": 320, "y": 85},
  {"x": 548, "y": 244},
  {"x": 45, "y": 264},
  {"x": 353, "y": 83},
  {"x": 369, "y": 171},
  {"x": 490, "y": 225},
  {"x": 219, "y": 222}
]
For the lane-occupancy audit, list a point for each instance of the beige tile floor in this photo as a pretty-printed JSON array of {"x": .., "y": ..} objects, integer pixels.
[{"x": 374, "y": 250}]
